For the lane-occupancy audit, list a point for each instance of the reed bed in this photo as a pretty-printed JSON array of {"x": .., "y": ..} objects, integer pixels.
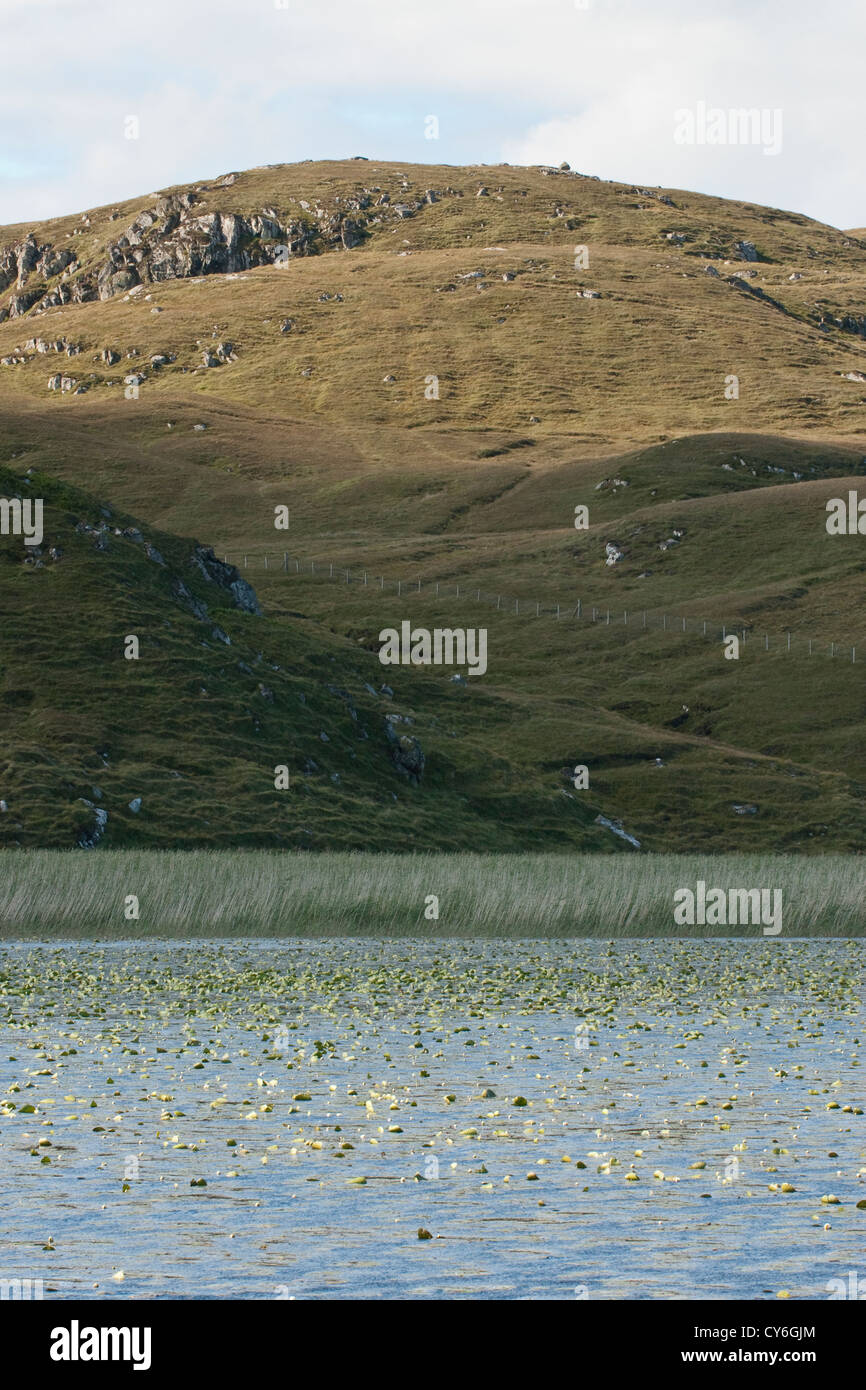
[{"x": 184, "y": 894}]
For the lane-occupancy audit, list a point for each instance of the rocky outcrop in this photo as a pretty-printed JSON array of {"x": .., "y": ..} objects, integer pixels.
[
  {"x": 227, "y": 577},
  {"x": 406, "y": 752},
  {"x": 177, "y": 239},
  {"x": 172, "y": 241}
]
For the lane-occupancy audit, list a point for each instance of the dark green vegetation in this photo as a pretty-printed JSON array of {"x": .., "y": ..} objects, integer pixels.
[{"x": 545, "y": 400}]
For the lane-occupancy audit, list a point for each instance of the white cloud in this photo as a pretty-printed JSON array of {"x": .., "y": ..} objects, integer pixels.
[{"x": 224, "y": 84}]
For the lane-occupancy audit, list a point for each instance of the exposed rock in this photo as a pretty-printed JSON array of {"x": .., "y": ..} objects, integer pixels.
[
  {"x": 406, "y": 753},
  {"x": 616, "y": 827},
  {"x": 227, "y": 577},
  {"x": 746, "y": 250},
  {"x": 183, "y": 595},
  {"x": 612, "y": 485},
  {"x": 89, "y": 837}
]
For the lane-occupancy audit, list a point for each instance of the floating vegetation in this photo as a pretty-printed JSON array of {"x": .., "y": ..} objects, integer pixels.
[{"x": 710, "y": 1095}]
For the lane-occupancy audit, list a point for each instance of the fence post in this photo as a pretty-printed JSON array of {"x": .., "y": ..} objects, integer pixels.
[
  {"x": 608, "y": 618},
  {"x": 684, "y": 624},
  {"x": 266, "y": 562},
  {"x": 789, "y": 641},
  {"x": 365, "y": 576},
  {"x": 399, "y": 587},
  {"x": 498, "y": 600},
  {"x": 557, "y": 610},
  {"x": 578, "y": 607},
  {"x": 245, "y": 562},
  {"x": 537, "y": 610},
  {"x": 285, "y": 560},
  {"x": 382, "y": 580}
]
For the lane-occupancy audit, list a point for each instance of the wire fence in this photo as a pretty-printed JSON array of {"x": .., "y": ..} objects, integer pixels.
[{"x": 642, "y": 619}]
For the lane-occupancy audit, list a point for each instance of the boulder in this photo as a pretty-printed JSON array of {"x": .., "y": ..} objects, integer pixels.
[{"x": 406, "y": 753}]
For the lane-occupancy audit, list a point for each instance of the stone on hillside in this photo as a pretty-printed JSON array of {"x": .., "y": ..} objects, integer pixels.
[
  {"x": 227, "y": 577},
  {"x": 746, "y": 250},
  {"x": 406, "y": 753},
  {"x": 89, "y": 837}
]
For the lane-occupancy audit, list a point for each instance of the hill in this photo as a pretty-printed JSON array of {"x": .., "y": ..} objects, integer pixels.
[{"x": 432, "y": 368}]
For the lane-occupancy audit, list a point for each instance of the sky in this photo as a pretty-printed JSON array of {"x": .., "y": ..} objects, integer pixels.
[{"x": 102, "y": 100}]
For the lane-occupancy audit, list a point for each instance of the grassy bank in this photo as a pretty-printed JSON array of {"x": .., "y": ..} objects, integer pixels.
[{"x": 58, "y": 894}]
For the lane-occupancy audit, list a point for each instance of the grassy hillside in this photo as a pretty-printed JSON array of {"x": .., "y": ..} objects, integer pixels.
[{"x": 431, "y": 384}]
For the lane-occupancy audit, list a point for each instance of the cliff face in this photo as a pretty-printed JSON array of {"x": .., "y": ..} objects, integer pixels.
[{"x": 176, "y": 239}]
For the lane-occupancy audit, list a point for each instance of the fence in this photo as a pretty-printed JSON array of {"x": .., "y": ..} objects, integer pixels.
[{"x": 643, "y": 619}]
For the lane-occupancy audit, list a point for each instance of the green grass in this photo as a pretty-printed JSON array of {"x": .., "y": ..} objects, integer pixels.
[
  {"x": 57, "y": 895},
  {"x": 463, "y": 489}
]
